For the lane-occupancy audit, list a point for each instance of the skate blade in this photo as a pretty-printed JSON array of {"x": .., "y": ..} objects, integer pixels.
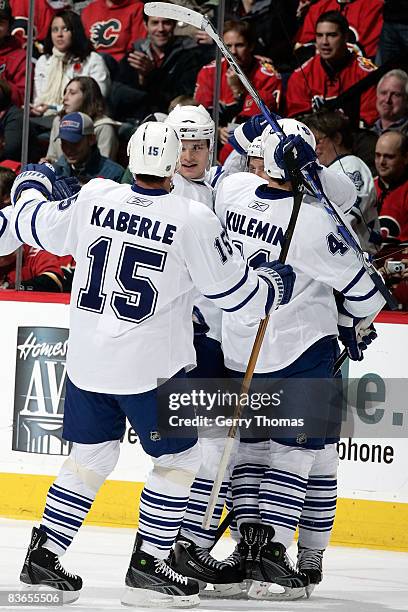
[
  {"x": 67, "y": 596},
  {"x": 147, "y": 598},
  {"x": 236, "y": 590},
  {"x": 264, "y": 591},
  {"x": 309, "y": 590}
]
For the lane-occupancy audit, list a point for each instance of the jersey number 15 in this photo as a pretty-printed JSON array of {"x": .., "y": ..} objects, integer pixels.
[{"x": 138, "y": 298}]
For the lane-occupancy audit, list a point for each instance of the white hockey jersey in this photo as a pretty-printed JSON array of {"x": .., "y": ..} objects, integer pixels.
[
  {"x": 201, "y": 191},
  {"x": 139, "y": 256},
  {"x": 363, "y": 216},
  {"x": 8, "y": 241},
  {"x": 256, "y": 218}
]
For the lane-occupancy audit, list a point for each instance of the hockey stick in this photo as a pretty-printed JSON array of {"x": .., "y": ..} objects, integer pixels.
[{"x": 181, "y": 13}]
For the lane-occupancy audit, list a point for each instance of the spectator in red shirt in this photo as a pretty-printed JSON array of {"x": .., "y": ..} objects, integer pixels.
[
  {"x": 41, "y": 271},
  {"x": 330, "y": 73},
  {"x": 12, "y": 57},
  {"x": 113, "y": 25},
  {"x": 391, "y": 160},
  {"x": 236, "y": 103},
  {"x": 44, "y": 12},
  {"x": 364, "y": 17}
]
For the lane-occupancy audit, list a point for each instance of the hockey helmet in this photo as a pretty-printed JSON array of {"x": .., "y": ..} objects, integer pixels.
[
  {"x": 154, "y": 149},
  {"x": 192, "y": 123},
  {"x": 255, "y": 149},
  {"x": 270, "y": 141}
]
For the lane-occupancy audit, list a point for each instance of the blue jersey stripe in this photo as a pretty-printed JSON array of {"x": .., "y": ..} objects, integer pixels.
[
  {"x": 361, "y": 298},
  {"x": 217, "y": 296},
  {"x": 354, "y": 281},
  {"x": 33, "y": 228},
  {"x": 247, "y": 299},
  {"x": 4, "y": 224}
]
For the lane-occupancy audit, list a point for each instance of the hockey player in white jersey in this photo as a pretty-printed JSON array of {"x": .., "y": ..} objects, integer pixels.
[
  {"x": 139, "y": 252},
  {"x": 196, "y": 131},
  {"x": 337, "y": 186},
  {"x": 8, "y": 241},
  {"x": 300, "y": 341}
]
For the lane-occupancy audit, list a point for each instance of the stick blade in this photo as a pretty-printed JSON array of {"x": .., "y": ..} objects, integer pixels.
[{"x": 173, "y": 11}]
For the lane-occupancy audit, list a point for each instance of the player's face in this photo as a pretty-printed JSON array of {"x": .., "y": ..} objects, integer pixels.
[
  {"x": 330, "y": 42},
  {"x": 160, "y": 31},
  {"x": 73, "y": 97},
  {"x": 389, "y": 161},
  {"x": 77, "y": 153},
  {"x": 194, "y": 158},
  {"x": 392, "y": 101},
  {"x": 325, "y": 148},
  {"x": 239, "y": 48},
  {"x": 256, "y": 166},
  {"x": 60, "y": 35}
]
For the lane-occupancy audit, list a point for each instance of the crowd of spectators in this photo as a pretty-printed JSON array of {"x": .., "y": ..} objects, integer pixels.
[{"x": 100, "y": 67}]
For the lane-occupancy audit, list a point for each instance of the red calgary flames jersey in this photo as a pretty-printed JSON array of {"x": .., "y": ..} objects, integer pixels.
[
  {"x": 393, "y": 210},
  {"x": 312, "y": 81},
  {"x": 263, "y": 77},
  {"x": 364, "y": 17},
  {"x": 113, "y": 30}
]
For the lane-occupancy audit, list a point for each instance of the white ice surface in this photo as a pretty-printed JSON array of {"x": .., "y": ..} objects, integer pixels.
[{"x": 355, "y": 580}]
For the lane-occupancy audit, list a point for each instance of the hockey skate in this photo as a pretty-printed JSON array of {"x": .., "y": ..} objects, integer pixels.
[
  {"x": 217, "y": 579},
  {"x": 310, "y": 562},
  {"x": 42, "y": 570},
  {"x": 152, "y": 583},
  {"x": 267, "y": 564}
]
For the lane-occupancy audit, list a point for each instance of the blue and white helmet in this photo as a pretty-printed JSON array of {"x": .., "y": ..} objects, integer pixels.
[
  {"x": 154, "y": 149},
  {"x": 255, "y": 149},
  {"x": 192, "y": 123},
  {"x": 270, "y": 141}
]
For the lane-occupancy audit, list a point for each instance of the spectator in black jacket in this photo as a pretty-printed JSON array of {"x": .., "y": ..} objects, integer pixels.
[
  {"x": 11, "y": 122},
  {"x": 158, "y": 69},
  {"x": 274, "y": 23},
  {"x": 394, "y": 34}
]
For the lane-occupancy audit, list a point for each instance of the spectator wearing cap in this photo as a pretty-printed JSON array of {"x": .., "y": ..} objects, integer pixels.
[
  {"x": 12, "y": 56},
  {"x": 81, "y": 157},
  {"x": 331, "y": 73}
]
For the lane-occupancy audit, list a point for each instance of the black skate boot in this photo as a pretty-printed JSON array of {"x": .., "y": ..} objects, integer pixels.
[
  {"x": 198, "y": 563},
  {"x": 42, "y": 569},
  {"x": 310, "y": 562},
  {"x": 152, "y": 583},
  {"x": 268, "y": 565}
]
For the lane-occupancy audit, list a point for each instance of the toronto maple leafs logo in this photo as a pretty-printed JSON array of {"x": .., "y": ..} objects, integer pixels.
[
  {"x": 356, "y": 178},
  {"x": 105, "y": 33}
]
